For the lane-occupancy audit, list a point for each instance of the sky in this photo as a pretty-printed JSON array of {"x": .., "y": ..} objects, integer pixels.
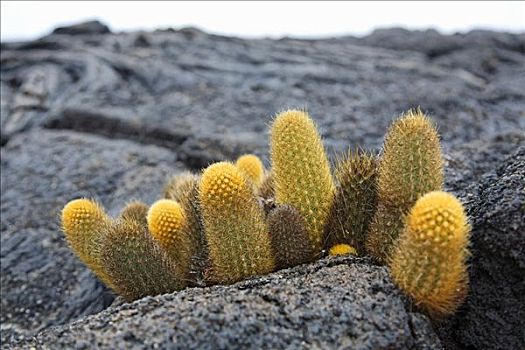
[{"x": 26, "y": 20}]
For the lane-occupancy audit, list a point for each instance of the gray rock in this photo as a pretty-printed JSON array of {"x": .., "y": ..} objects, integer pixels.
[
  {"x": 492, "y": 316},
  {"x": 333, "y": 303},
  {"x": 89, "y": 27},
  {"x": 42, "y": 282}
]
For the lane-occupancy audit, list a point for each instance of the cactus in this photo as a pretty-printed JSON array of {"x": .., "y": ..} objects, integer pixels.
[
  {"x": 411, "y": 165},
  {"x": 355, "y": 200},
  {"x": 342, "y": 249},
  {"x": 136, "y": 264},
  {"x": 236, "y": 232},
  {"x": 168, "y": 225},
  {"x": 302, "y": 172},
  {"x": 267, "y": 188},
  {"x": 252, "y": 168},
  {"x": 289, "y": 237},
  {"x": 429, "y": 259},
  {"x": 135, "y": 210},
  {"x": 184, "y": 188},
  {"x": 84, "y": 223}
]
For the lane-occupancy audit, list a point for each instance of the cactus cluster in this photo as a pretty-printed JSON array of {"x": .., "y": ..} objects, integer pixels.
[{"x": 237, "y": 219}]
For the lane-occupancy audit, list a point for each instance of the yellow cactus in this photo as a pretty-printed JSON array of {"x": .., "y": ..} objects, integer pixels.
[
  {"x": 342, "y": 249},
  {"x": 411, "y": 165},
  {"x": 429, "y": 260},
  {"x": 234, "y": 224},
  {"x": 252, "y": 167},
  {"x": 168, "y": 225},
  {"x": 301, "y": 171},
  {"x": 84, "y": 223}
]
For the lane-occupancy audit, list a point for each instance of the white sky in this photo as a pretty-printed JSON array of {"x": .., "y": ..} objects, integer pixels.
[{"x": 31, "y": 19}]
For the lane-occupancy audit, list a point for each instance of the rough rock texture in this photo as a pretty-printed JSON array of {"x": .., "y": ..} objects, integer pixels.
[
  {"x": 332, "y": 303},
  {"x": 88, "y": 113}
]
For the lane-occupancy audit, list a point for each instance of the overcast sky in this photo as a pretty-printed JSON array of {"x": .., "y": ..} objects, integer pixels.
[{"x": 28, "y": 20}]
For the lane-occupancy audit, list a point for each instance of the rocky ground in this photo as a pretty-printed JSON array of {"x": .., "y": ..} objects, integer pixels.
[{"x": 87, "y": 112}]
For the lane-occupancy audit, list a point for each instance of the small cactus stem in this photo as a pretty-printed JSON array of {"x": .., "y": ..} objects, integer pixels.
[
  {"x": 235, "y": 227},
  {"x": 84, "y": 222},
  {"x": 135, "y": 210},
  {"x": 342, "y": 249},
  {"x": 136, "y": 264},
  {"x": 289, "y": 237},
  {"x": 301, "y": 171},
  {"x": 429, "y": 261},
  {"x": 252, "y": 168},
  {"x": 168, "y": 225},
  {"x": 184, "y": 188},
  {"x": 411, "y": 165},
  {"x": 355, "y": 200}
]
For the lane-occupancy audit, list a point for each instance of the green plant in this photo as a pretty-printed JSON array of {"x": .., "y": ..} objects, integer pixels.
[
  {"x": 135, "y": 210},
  {"x": 410, "y": 166},
  {"x": 301, "y": 171},
  {"x": 136, "y": 265},
  {"x": 429, "y": 259},
  {"x": 355, "y": 200},
  {"x": 289, "y": 237},
  {"x": 234, "y": 224},
  {"x": 184, "y": 188}
]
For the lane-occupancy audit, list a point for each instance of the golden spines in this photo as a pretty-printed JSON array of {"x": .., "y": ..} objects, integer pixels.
[
  {"x": 252, "y": 167},
  {"x": 235, "y": 228},
  {"x": 429, "y": 259},
  {"x": 84, "y": 223},
  {"x": 301, "y": 171},
  {"x": 168, "y": 225}
]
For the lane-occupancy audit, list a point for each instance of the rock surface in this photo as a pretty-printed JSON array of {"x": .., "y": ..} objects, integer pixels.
[{"x": 111, "y": 116}]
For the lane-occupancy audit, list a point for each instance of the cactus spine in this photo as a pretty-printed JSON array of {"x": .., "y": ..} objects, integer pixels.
[
  {"x": 355, "y": 200},
  {"x": 236, "y": 232},
  {"x": 289, "y": 236},
  {"x": 168, "y": 225},
  {"x": 429, "y": 260},
  {"x": 136, "y": 264},
  {"x": 252, "y": 168},
  {"x": 411, "y": 165},
  {"x": 302, "y": 172},
  {"x": 84, "y": 223}
]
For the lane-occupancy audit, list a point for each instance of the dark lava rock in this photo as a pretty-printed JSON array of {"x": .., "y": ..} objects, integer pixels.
[
  {"x": 492, "y": 316},
  {"x": 89, "y": 27},
  {"x": 113, "y": 116},
  {"x": 42, "y": 282},
  {"x": 333, "y": 303}
]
